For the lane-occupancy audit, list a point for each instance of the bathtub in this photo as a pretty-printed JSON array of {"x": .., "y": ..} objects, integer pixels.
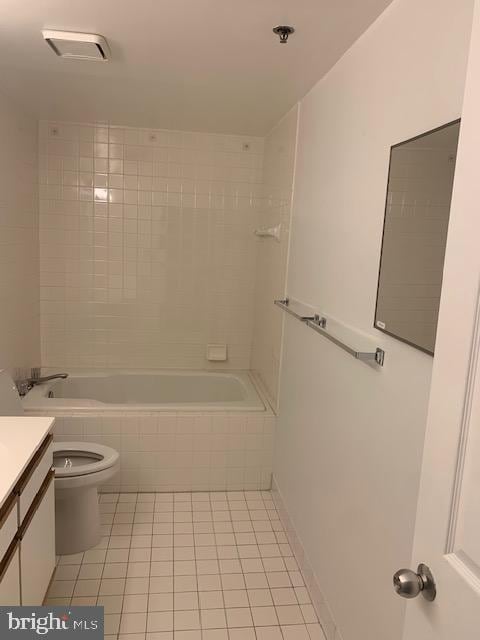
[
  {"x": 148, "y": 391},
  {"x": 175, "y": 430}
]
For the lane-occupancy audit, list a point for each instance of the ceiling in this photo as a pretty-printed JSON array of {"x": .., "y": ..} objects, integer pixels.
[{"x": 200, "y": 65}]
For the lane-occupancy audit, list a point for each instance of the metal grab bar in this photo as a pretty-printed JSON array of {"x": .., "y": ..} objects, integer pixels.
[{"x": 319, "y": 324}]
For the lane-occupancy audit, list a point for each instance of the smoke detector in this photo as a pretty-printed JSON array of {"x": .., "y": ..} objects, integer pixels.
[{"x": 79, "y": 46}]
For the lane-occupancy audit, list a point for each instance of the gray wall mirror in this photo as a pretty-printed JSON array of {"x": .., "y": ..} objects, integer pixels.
[{"x": 417, "y": 210}]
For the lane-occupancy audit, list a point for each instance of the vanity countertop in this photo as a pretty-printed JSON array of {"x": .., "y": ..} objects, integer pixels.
[{"x": 20, "y": 437}]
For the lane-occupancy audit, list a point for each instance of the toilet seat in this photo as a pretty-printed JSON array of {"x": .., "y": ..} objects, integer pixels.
[{"x": 85, "y": 458}]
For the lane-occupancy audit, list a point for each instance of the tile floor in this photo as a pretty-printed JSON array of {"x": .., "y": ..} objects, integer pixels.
[{"x": 190, "y": 566}]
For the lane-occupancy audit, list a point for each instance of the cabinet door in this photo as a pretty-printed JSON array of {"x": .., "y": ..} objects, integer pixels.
[
  {"x": 10, "y": 578},
  {"x": 37, "y": 547}
]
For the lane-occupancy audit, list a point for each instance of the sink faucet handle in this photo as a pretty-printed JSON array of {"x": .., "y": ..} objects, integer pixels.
[{"x": 35, "y": 373}]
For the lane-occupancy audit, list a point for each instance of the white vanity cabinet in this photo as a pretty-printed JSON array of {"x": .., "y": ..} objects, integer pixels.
[
  {"x": 27, "y": 532},
  {"x": 9, "y": 553},
  {"x": 10, "y": 578}
]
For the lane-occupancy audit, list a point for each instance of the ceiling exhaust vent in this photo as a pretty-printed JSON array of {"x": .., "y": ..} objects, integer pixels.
[{"x": 79, "y": 46}]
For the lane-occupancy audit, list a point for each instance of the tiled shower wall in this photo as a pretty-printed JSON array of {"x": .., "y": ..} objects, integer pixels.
[
  {"x": 278, "y": 174},
  {"x": 19, "y": 279},
  {"x": 147, "y": 250}
]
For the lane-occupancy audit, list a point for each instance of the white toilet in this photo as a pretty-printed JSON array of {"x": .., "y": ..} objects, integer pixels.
[{"x": 80, "y": 468}]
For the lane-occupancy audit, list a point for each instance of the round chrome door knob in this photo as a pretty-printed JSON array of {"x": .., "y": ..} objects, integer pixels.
[{"x": 409, "y": 584}]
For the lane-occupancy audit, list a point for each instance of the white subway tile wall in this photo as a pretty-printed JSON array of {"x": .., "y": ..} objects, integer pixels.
[
  {"x": 19, "y": 273},
  {"x": 147, "y": 250},
  {"x": 279, "y": 163},
  {"x": 181, "y": 451}
]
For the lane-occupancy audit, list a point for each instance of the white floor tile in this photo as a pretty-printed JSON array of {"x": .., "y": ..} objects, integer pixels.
[
  {"x": 114, "y": 570},
  {"x": 160, "y": 584},
  {"x": 214, "y": 634},
  {"x": 136, "y": 585},
  {"x": 239, "y": 617},
  {"x": 315, "y": 632},
  {"x": 186, "y": 601},
  {"x": 289, "y": 614},
  {"x": 202, "y": 566},
  {"x": 67, "y": 572},
  {"x": 111, "y": 623},
  {"x": 110, "y": 604},
  {"x": 269, "y": 633},
  {"x": 160, "y": 621},
  {"x": 112, "y": 587},
  {"x": 213, "y": 619},
  {"x": 160, "y": 602},
  {"x": 247, "y": 633},
  {"x": 260, "y": 597},
  {"x": 211, "y": 600},
  {"x": 117, "y": 555},
  {"x": 86, "y": 588},
  {"x": 237, "y": 598},
  {"x": 183, "y": 620},
  {"x": 135, "y": 603},
  {"x": 295, "y": 632},
  {"x": 283, "y": 596},
  {"x": 133, "y": 622},
  {"x": 264, "y": 616}
]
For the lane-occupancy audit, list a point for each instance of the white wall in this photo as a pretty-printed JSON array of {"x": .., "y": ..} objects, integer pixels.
[
  {"x": 147, "y": 246},
  {"x": 278, "y": 170},
  {"x": 19, "y": 280},
  {"x": 350, "y": 437}
]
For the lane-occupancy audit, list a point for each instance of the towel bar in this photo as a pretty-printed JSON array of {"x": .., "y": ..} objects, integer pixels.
[{"x": 319, "y": 324}]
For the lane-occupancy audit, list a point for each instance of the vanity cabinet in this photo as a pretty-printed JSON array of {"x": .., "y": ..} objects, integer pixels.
[
  {"x": 10, "y": 577},
  {"x": 9, "y": 553},
  {"x": 27, "y": 532}
]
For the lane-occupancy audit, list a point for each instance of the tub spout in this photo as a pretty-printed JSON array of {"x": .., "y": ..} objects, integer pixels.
[
  {"x": 38, "y": 380},
  {"x": 24, "y": 386}
]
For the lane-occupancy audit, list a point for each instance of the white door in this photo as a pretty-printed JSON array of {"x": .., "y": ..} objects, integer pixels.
[{"x": 447, "y": 536}]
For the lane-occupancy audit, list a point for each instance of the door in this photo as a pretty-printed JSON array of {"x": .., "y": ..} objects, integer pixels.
[{"x": 447, "y": 535}]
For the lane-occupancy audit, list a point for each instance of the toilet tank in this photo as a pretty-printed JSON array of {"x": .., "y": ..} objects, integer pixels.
[{"x": 10, "y": 403}]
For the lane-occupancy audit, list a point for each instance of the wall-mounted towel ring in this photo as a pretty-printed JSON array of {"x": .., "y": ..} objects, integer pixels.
[{"x": 270, "y": 232}]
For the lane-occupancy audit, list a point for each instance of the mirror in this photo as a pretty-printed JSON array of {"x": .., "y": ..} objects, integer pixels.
[{"x": 417, "y": 210}]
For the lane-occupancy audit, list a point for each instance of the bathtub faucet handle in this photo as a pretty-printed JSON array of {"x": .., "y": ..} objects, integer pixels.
[
  {"x": 23, "y": 387},
  {"x": 35, "y": 373}
]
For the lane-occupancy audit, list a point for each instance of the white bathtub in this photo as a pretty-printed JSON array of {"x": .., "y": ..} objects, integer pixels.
[
  {"x": 175, "y": 430},
  {"x": 146, "y": 391}
]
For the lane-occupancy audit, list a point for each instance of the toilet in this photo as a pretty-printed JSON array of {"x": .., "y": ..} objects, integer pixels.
[{"x": 80, "y": 468}]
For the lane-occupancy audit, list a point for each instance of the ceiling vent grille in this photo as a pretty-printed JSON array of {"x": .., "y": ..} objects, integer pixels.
[{"x": 79, "y": 46}]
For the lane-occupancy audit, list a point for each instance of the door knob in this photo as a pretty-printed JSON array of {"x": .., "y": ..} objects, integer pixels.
[{"x": 409, "y": 584}]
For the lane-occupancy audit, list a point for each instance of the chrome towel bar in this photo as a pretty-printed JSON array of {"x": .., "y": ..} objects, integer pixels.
[
  {"x": 319, "y": 324},
  {"x": 285, "y": 305}
]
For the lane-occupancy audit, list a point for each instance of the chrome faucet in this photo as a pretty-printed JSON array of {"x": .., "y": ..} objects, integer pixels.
[
  {"x": 38, "y": 380},
  {"x": 24, "y": 386}
]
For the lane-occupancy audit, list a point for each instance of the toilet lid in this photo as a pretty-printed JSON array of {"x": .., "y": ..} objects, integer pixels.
[{"x": 81, "y": 458}]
